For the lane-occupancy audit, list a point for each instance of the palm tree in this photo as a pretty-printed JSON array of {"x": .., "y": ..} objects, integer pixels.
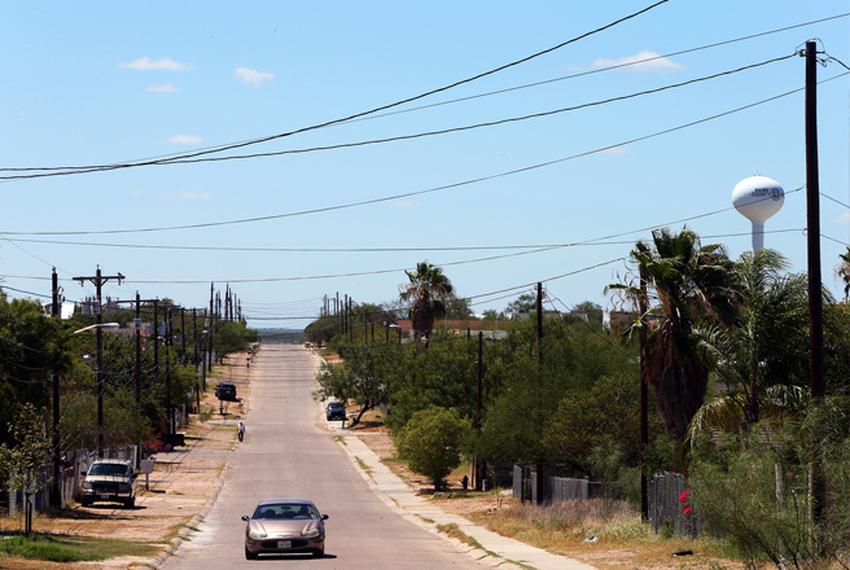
[
  {"x": 428, "y": 289},
  {"x": 759, "y": 358},
  {"x": 691, "y": 283},
  {"x": 843, "y": 271}
]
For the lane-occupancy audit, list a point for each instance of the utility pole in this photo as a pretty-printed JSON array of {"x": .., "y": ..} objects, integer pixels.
[
  {"x": 539, "y": 323},
  {"x": 816, "y": 378},
  {"x": 643, "y": 307},
  {"x": 210, "y": 328},
  {"x": 137, "y": 368},
  {"x": 183, "y": 335},
  {"x": 98, "y": 280},
  {"x": 350, "y": 328},
  {"x": 168, "y": 408},
  {"x": 55, "y": 488},
  {"x": 155, "y": 304},
  {"x": 479, "y": 404},
  {"x": 365, "y": 327},
  {"x": 195, "y": 337}
]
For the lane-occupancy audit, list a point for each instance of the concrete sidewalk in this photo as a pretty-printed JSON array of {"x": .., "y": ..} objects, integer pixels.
[{"x": 486, "y": 546}]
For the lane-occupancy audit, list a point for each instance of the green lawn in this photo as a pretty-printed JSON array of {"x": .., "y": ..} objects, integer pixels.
[{"x": 63, "y": 548}]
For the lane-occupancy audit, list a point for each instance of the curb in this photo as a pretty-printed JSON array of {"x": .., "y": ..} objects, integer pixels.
[
  {"x": 184, "y": 533},
  {"x": 480, "y": 555}
]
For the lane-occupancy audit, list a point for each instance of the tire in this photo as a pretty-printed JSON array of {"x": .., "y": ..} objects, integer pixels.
[
  {"x": 319, "y": 553},
  {"x": 85, "y": 502},
  {"x": 250, "y": 555},
  {"x": 130, "y": 503}
]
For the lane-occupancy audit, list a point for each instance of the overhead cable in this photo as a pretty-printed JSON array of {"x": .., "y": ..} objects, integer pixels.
[
  {"x": 433, "y": 189},
  {"x": 387, "y": 106}
]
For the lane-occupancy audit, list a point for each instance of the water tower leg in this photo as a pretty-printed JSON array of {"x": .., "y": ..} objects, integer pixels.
[{"x": 758, "y": 236}]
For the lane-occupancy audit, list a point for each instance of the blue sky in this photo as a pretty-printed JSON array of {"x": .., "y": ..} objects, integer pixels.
[{"x": 102, "y": 82}]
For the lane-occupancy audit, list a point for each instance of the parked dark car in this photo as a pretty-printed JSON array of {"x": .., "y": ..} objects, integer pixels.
[
  {"x": 335, "y": 411},
  {"x": 226, "y": 391}
]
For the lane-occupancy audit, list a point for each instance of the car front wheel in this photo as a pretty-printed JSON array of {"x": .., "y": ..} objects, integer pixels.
[{"x": 250, "y": 555}]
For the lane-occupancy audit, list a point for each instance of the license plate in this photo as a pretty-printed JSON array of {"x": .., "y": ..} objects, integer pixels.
[
  {"x": 104, "y": 496},
  {"x": 284, "y": 544}
]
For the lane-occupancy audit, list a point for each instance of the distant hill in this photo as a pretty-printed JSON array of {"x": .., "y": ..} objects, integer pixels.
[{"x": 281, "y": 334}]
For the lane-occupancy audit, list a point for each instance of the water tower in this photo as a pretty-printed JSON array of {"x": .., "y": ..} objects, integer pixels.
[{"x": 757, "y": 198}]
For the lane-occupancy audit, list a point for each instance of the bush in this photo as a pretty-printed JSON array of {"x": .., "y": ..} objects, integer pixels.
[
  {"x": 755, "y": 490},
  {"x": 432, "y": 442}
]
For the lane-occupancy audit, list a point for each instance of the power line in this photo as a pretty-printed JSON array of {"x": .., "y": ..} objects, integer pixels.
[
  {"x": 433, "y": 189},
  {"x": 596, "y": 70},
  {"x": 603, "y": 240},
  {"x": 437, "y": 132},
  {"x": 605, "y": 68},
  {"x": 380, "y": 108}
]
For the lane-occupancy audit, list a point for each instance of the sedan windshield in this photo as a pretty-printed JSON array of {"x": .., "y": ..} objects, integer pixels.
[
  {"x": 109, "y": 469},
  {"x": 286, "y": 511}
]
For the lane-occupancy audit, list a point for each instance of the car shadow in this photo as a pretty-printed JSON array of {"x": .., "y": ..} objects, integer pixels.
[{"x": 293, "y": 557}]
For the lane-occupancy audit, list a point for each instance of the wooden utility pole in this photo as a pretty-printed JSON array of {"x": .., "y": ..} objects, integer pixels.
[
  {"x": 539, "y": 323},
  {"x": 479, "y": 406},
  {"x": 195, "y": 337},
  {"x": 98, "y": 280},
  {"x": 168, "y": 407},
  {"x": 643, "y": 307},
  {"x": 210, "y": 329},
  {"x": 137, "y": 365},
  {"x": 182, "y": 335},
  {"x": 816, "y": 377},
  {"x": 55, "y": 487}
]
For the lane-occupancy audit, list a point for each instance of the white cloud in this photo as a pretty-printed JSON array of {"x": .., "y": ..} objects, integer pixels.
[
  {"x": 148, "y": 64},
  {"x": 657, "y": 63},
  {"x": 844, "y": 218},
  {"x": 185, "y": 139},
  {"x": 195, "y": 196},
  {"x": 161, "y": 88},
  {"x": 252, "y": 76}
]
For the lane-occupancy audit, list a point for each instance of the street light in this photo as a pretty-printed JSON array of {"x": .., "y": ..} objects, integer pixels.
[
  {"x": 97, "y": 326},
  {"x": 99, "y": 373}
]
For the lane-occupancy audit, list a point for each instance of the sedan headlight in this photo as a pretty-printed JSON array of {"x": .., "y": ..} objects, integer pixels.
[
  {"x": 257, "y": 532},
  {"x": 311, "y": 531},
  {"x": 87, "y": 486}
]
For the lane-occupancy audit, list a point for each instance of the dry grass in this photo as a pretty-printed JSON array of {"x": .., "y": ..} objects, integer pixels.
[{"x": 622, "y": 540}]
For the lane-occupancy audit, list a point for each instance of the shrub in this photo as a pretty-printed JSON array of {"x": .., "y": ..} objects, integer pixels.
[{"x": 432, "y": 442}]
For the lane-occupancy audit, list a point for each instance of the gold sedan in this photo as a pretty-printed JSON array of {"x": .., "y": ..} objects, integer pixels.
[{"x": 284, "y": 526}]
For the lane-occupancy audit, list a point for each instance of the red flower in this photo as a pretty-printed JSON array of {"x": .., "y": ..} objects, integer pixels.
[
  {"x": 683, "y": 496},
  {"x": 687, "y": 510}
]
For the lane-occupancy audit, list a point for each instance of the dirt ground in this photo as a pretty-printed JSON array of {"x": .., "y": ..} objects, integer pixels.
[
  {"x": 493, "y": 510},
  {"x": 181, "y": 484}
]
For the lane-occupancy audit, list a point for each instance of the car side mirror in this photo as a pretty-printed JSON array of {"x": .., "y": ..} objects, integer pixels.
[
  {"x": 82, "y": 473},
  {"x": 246, "y": 518},
  {"x": 325, "y": 517}
]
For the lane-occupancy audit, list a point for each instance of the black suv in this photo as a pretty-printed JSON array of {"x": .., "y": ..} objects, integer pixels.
[
  {"x": 226, "y": 391},
  {"x": 335, "y": 411}
]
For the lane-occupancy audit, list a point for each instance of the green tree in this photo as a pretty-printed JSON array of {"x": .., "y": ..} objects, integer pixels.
[
  {"x": 843, "y": 271},
  {"x": 23, "y": 462},
  {"x": 360, "y": 377},
  {"x": 692, "y": 282},
  {"x": 584, "y": 425},
  {"x": 428, "y": 289},
  {"x": 759, "y": 378},
  {"x": 432, "y": 442},
  {"x": 525, "y": 303}
]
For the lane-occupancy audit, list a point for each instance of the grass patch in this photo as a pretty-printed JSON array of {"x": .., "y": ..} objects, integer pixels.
[
  {"x": 58, "y": 548},
  {"x": 426, "y": 519},
  {"x": 363, "y": 466},
  {"x": 340, "y": 440},
  {"x": 454, "y": 531}
]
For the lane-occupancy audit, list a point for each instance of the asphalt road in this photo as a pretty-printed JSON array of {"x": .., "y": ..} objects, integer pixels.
[{"x": 286, "y": 453}]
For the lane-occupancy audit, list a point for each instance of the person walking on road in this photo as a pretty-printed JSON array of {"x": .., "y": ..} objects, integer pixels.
[{"x": 240, "y": 430}]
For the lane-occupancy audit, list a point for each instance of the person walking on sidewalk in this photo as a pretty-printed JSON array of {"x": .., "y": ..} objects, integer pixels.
[{"x": 240, "y": 430}]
